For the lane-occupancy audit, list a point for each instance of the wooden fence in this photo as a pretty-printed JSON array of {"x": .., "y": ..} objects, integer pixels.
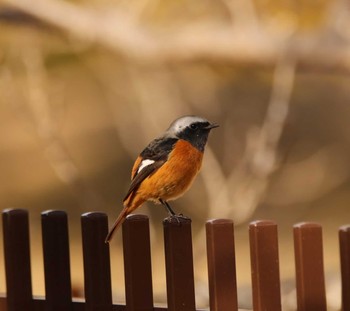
[{"x": 310, "y": 282}]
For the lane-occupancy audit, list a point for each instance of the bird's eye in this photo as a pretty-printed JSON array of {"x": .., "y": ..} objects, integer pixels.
[{"x": 193, "y": 126}]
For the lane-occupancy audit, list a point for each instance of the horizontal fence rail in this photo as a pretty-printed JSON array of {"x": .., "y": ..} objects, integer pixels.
[{"x": 263, "y": 239}]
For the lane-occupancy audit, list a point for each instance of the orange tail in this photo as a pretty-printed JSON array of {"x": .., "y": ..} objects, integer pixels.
[
  {"x": 130, "y": 204},
  {"x": 125, "y": 212}
]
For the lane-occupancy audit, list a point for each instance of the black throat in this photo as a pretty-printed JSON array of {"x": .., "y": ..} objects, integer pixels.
[{"x": 197, "y": 138}]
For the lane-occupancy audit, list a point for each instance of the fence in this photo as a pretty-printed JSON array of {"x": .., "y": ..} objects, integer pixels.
[{"x": 179, "y": 265}]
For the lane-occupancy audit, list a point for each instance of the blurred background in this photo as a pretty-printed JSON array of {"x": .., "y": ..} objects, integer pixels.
[{"x": 85, "y": 85}]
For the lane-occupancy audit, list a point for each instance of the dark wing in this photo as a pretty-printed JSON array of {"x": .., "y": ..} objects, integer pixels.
[{"x": 158, "y": 151}]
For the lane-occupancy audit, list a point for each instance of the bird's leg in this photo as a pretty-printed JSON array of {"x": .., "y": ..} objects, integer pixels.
[
  {"x": 167, "y": 207},
  {"x": 172, "y": 214}
]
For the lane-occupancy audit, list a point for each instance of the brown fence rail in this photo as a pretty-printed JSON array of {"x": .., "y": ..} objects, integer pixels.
[{"x": 311, "y": 295}]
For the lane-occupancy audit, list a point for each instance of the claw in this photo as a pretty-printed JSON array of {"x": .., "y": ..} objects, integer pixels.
[
  {"x": 182, "y": 216},
  {"x": 177, "y": 219}
]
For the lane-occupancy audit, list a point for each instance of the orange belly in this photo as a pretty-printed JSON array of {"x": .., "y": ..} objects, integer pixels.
[{"x": 175, "y": 176}]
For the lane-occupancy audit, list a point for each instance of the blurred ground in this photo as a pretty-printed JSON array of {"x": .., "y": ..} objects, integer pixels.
[{"x": 74, "y": 114}]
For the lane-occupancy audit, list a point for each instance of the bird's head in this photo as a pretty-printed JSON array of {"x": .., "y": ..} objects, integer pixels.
[{"x": 193, "y": 129}]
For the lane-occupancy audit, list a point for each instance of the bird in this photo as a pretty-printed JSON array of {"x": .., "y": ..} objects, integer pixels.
[{"x": 166, "y": 168}]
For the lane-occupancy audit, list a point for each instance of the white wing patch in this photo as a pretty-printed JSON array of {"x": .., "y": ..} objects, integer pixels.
[{"x": 144, "y": 163}]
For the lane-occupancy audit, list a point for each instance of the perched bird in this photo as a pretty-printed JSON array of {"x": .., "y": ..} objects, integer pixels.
[{"x": 166, "y": 168}]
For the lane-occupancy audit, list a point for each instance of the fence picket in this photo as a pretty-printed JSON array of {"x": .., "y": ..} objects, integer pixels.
[
  {"x": 56, "y": 261},
  {"x": 221, "y": 265},
  {"x": 137, "y": 263},
  {"x": 308, "y": 247},
  {"x": 97, "y": 274},
  {"x": 265, "y": 265},
  {"x": 17, "y": 260},
  {"x": 344, "y": 241},
  {"x": 179, "y": 264},
  {"x": 310, "y": 283}
]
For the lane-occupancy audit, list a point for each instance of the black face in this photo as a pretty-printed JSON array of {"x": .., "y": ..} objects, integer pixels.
[{"x": 197, "y": 134}]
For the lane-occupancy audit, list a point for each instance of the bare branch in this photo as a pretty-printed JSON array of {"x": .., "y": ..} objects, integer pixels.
[
  {"x": 239, "y": 194},
  {"x": 123, "y": 33},
  {"x": 46, "y": 128},
  {"x": 242, "y": 12},
  {"x": 264, "y": 158}
]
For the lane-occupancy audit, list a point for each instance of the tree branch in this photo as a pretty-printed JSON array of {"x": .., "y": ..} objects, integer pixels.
[{"x": 122, "y": 33}]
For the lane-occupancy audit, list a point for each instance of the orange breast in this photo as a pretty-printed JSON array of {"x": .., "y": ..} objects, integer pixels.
[{"x": 175, "y": 176}]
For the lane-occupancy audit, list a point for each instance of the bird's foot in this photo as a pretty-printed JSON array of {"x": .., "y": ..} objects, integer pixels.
[
  {"x": 177, "y": 219},
  {"x": 183, "y": 216}
]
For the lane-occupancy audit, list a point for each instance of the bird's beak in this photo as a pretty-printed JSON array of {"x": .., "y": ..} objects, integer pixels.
[{"x": 211, "y": 126}]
